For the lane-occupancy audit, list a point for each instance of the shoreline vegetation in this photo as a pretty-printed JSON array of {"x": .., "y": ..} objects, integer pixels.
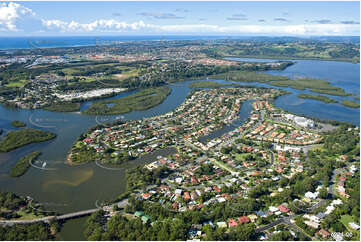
[
  {"x": 350, "y": 104},
  {"x": 22, "y": 165},
  {"x": 317, "y": 97},
  {"x": 142, "y": 100},
  {"x": 18, "y": 138},
  {"x": 313, "y": 85},
  {"x": 18, "y": 124},
  {"x": 205, "y": 84}
]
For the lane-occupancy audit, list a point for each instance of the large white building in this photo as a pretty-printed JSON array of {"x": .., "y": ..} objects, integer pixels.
[{"x": 301, "y": 121}]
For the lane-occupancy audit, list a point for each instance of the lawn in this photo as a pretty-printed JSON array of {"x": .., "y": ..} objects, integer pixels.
[
  {"x": 126, "y": 74},
  {"x": 27, "y": 216},
  {"x": 19, "y": 83},
  {"x": 241, "y": 157},
  {"x": 345, "y": 219}
]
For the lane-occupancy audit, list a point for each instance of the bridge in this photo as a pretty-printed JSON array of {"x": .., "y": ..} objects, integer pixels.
[{"x": 67, "y": 216}]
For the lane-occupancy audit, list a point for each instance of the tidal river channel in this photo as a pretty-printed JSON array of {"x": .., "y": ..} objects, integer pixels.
[{"x": 65, "y": 188}]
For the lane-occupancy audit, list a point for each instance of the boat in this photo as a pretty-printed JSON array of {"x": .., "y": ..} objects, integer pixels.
[{"x": 44, "y": 164}]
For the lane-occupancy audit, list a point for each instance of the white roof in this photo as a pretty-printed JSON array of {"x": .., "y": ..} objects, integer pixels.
[{"x": 272, "y": 209}]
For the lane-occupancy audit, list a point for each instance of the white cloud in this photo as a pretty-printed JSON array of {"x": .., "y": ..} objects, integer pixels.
[
  {"x": 101, "y": 25},
  {"x": 311, "y": 29},
  {"x": 11, "y": 13},
  {"x": 14, "y": 17},
  {"x": 116, "y": 26}
]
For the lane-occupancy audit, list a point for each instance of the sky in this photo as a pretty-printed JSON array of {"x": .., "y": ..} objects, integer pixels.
[{"x": 19, "y": 18}]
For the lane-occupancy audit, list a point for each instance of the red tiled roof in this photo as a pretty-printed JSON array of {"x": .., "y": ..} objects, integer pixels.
[
  {"x": 244, "y": 219},
  {"x": 232, "y": 222},
  {"x": 283, "y": 209}
]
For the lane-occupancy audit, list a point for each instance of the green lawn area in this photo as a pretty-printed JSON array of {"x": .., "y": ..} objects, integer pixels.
[
  {"x": 26, "y": 216},
  {"x": 241, "y": 157},
  {"x": 126, "y": 74},
  {"x": 222, "y": 165},
  {"x": 345, "y": 219},
  {"x": 19, "y": 83}
]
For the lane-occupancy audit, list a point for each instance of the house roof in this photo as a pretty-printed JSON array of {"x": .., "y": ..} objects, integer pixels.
[{"x": 244, "y": 219}]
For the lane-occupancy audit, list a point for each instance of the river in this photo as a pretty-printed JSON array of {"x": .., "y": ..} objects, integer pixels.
[{"x": 72, "y": 188}]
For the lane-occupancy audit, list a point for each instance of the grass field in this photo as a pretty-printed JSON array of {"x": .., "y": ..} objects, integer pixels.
[
  {"x": 345, "y": 220},
  {"x": 27, "y": 216},
  {"x": 126, "y": 74},
  {"x": 19, "y": 83},
  {"x": 241, "y": 157}
]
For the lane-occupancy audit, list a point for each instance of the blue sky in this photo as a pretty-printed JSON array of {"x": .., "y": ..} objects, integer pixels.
[{"x": 197, "y": 18}]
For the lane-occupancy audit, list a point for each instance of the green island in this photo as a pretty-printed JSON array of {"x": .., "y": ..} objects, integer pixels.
[
  {"x": 313, "y": 85},
  {"x": 317, "y": 97},
  {"x": 23, "y": 164},
  {"x": 201, "y": 84},
  {"x": 350, "y": 104},
  {"x": 63, "y": 107},
  {"x": 18, "y": 124},
  {"x": 142, "y": 100},
  {"x": 18, "y": 138}
]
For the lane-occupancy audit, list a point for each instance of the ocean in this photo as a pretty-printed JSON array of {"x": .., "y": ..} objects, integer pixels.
[{"x": 7, "y": 43}]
